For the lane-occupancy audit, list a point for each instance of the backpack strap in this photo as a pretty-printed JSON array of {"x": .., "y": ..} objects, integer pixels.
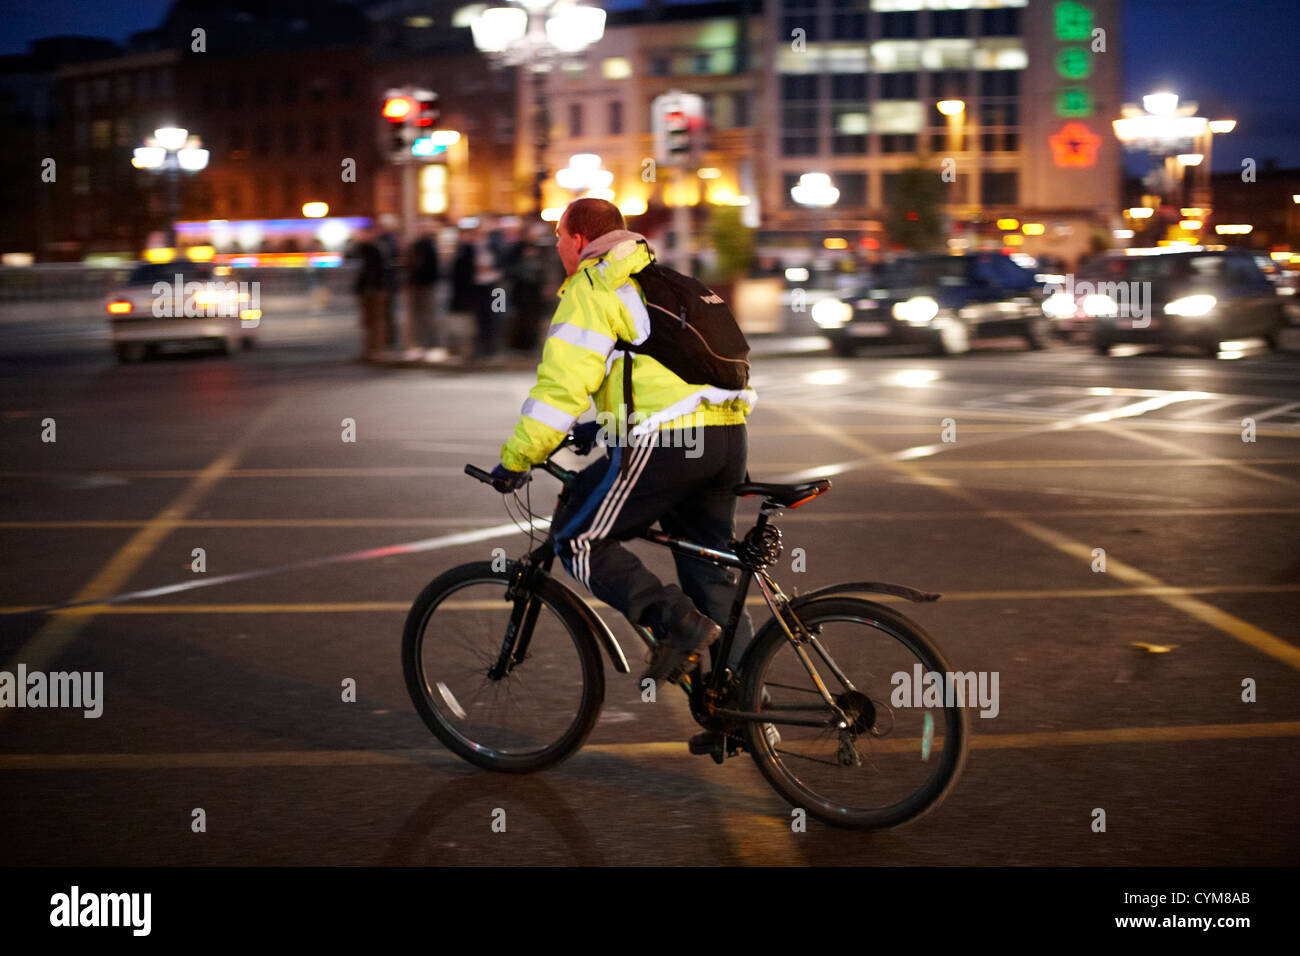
[{"x": 629, "y": 403}]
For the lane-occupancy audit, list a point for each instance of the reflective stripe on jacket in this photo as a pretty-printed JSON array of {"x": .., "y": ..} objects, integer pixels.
[{"x": 599, "y": 306}]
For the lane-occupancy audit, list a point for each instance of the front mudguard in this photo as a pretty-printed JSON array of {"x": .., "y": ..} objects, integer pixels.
[{"x": 595, "y": 623}]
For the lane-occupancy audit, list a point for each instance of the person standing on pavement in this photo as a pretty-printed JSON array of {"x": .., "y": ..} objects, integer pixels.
[
  {"x": 685, "y": 486},
  {"x": 370, "y": 289},
  {"x": 423, "y": 328},
  {"x": 392, "y": 254},
  {"x": 527, "y": 275},
  {"x": 489, "y": 296}
]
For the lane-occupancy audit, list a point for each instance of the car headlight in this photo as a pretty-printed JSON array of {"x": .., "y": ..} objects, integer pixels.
[
  {"x": 1191, "y": 305},
  {"x": 831, "y": 313},
  {"x": 918, "y": 310},
  {"x": 1100, "y": 306},
  {"x": 1059, "y": 305}
]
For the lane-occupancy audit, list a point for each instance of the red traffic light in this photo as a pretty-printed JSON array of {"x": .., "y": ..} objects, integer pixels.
[
  {"x": 427, "y": 113},
  {"x": 398, "y": 109}
]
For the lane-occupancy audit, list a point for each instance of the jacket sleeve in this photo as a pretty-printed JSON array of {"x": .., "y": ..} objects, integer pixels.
[{"x": 581, "y": 336}]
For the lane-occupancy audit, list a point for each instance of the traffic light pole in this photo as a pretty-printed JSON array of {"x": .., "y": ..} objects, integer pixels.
[
  {"x": 681, "y": 224},
  {"x": 409, "y": 172},
  {"x": 541, "y": 138}
]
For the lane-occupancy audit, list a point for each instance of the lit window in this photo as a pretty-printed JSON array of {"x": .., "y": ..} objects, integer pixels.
[
  {"x": 947, "y": 54},
  {"x": 897, "y": 116},
  {"x": 616, "y": 68},
  {"x": 893, "y": 55},
  {"x": 852, "y": 124}
]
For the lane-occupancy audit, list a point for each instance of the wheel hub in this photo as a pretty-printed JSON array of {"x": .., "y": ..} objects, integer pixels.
[{"x": 859, "y": 710}]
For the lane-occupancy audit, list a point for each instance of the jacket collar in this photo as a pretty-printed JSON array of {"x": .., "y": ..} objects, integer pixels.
[{"x": 608, "y": 260}]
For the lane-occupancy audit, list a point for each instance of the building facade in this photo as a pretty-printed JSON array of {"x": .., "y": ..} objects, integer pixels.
[
  {"x": 851, "y": 88},
  {"x": 1029, "y": 88}
]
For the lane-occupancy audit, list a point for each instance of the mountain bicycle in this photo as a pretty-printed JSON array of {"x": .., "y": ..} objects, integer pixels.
[{"x": 503, "y": 663}]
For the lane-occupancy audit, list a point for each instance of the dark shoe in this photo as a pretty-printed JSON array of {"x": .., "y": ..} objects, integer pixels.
[
  {"x": 716, "y": 745},
  {"x": 720, "y": 746},
  {"x": 679, "y": 651}
]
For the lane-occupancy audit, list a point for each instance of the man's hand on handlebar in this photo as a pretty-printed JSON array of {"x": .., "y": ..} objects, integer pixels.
[
  {"x": 505, "y": 481},
  {"x": 584, "y": 437}
]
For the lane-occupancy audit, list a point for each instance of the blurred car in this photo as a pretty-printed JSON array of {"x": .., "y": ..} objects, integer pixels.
[
  {"x": 180, "y": 302},
  {"x": 1198, "y": 297},
  {"x": 941, "y": 302}
]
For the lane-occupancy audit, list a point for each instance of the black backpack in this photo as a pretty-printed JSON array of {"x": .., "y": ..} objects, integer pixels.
[{"x": 692, "y": 333}]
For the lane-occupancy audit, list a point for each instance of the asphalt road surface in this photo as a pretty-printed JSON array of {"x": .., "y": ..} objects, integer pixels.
[{"x": 1160, "y": 694}]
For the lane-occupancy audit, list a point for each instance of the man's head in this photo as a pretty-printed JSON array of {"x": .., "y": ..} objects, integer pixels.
[{"x": 584, "y": 220}]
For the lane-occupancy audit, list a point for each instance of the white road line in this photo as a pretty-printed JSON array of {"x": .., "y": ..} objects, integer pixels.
[{"x": 1276, "y": 410}]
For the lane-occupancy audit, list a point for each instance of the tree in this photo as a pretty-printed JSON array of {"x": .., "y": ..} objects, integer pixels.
[
  {"x": 733, "y": 242},
  {"x": 914, "y": 218}
]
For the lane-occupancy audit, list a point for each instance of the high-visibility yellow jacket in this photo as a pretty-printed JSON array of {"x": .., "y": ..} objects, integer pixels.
[{"x": 600, "y": 304}]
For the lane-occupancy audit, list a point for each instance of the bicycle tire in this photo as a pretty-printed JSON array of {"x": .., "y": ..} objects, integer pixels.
[
  {"x": 454, "y": 729},
  {"x": 868, "y": 618}
]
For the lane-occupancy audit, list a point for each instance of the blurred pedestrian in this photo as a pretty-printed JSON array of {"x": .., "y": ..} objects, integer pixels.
[
  {"x": 392, "y": 254},
  {"x": 371, "y": 291},
  {"x": 462, "y": 272},
  {"x": 489, "y": 297},
  {"x": 424, "y": 334},
  {"x": 528, "y": 277}
]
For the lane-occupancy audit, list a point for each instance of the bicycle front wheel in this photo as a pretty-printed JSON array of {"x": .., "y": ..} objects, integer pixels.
[
  {"x": 528, "y": 718},
  {"x": 893, "y": 759}
]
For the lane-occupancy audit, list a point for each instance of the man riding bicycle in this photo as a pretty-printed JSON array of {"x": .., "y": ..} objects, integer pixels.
[{"x": 675, "y": 462}]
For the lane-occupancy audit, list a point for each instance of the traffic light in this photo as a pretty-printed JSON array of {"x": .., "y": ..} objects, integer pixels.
[
  {"x": 427, "y": 112},
  {"x": 677, "y": 130},
  {"x": 677, "y": 120},
  {"x": 398, "y": 107}
]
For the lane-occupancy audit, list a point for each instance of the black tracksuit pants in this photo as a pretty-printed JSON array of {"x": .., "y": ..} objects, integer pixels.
[{"x": 688, "y": 491}]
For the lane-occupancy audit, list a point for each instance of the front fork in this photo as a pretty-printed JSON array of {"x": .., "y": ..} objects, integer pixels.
[{"x": 523, "y": 616}]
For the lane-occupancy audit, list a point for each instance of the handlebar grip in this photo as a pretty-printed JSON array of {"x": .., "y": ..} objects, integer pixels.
[{"x": 478, "y": 473}]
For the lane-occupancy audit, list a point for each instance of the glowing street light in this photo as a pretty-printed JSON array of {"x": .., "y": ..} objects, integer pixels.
[
  {"x": 815, "y": 189},
  {"x": 531, "y": 34},
  {"x": 1160, "y": 104},
  {"x": 951, "y": 107},
  {"x": 171, "y": 150}
]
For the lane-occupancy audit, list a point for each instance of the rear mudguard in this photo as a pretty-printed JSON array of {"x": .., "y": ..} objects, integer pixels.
[
  {"x": 851, "y": 587},
  {"x": 871, "y": 587},
  {"x": 594, "y": 622}
]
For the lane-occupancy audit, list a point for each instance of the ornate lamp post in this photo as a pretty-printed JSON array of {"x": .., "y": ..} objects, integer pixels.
[
  {"x": 1166, "y": 128},
  {"x": 171, "y": 151},
  {"x": 532, "y": 33}
]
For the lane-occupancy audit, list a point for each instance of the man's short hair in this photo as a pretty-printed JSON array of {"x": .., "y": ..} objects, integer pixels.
[{"x": 592, "y": 218}]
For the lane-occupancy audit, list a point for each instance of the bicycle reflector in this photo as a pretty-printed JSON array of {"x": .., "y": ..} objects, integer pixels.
[{"x": 822, "y": 488}]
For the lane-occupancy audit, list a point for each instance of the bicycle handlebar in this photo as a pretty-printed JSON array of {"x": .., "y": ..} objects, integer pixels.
[{"x": 565, "y": 476}]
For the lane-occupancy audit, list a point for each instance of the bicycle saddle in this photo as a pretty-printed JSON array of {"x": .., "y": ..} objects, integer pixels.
[{"x": 789, "y": 496}]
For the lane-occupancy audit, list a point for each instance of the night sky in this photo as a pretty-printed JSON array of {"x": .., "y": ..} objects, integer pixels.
[{"x": 1236, "y": 58}]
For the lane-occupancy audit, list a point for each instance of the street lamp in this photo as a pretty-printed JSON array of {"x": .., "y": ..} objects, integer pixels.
[
  {"x": 1164, "y": 126},
  {"x": 532, "y": 33},
  {"x": 815, "y": 190},
  {"x": 171, "y": 150}
]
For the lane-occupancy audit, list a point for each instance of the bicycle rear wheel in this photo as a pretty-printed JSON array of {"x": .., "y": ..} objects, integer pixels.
[
  {"x": 894, "y": 761},
  {"x": 530, "y": 718}
]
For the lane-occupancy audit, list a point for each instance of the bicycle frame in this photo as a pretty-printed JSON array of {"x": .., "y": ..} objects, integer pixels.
[{"x": 702, "y": 695}]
